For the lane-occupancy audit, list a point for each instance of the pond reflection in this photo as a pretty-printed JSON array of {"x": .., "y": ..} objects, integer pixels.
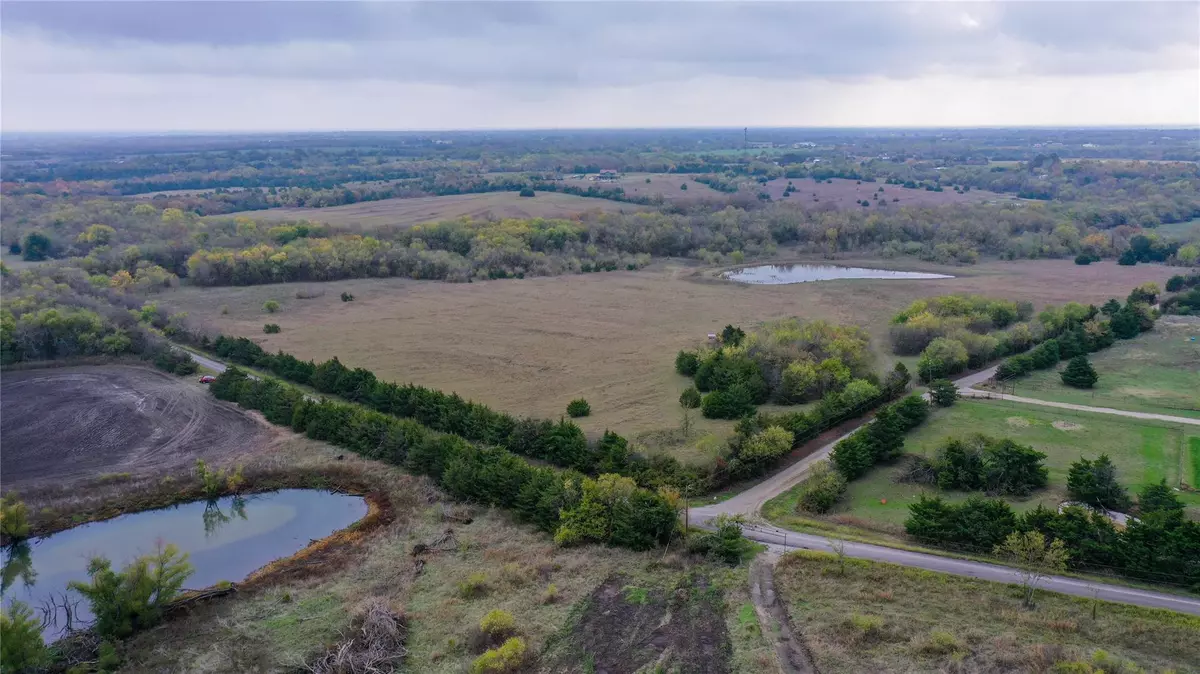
[
  {"x": 782, "y": 274},
  {"x": 227, "y": 539}
]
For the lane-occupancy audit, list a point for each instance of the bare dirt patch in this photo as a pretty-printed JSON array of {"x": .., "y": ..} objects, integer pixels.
[
  {"x": 69, "y": 423},
  {"x": 1018, "y": 422},
  {"x": 489, "y": 205},
  {"x": 1067, "y": 426},
  {"x": 625, "y": 628}
]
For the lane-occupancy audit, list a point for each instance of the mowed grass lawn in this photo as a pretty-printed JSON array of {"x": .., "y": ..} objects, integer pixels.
[
  {"x": 1144, "y": 452},
  {"x": 1158, "y": 371}
]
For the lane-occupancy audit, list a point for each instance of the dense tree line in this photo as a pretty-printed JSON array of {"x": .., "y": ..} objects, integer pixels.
[
  {"x": 240, "y": 251},
  {"x": 880, "y": 441},
  {"x": 1160, "y": 545},
  {"x": 45, "y": 317},
  {"x": 1074, "y": 330},
  {"x": 560, "y": 443},
  {"x": 609, "y": 509}
]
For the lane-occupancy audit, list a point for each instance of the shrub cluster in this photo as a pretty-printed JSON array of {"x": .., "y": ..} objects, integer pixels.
[
  {"x": 1187, "y": 302},
  {"x": 823, "y": 489},
  {"x": 787, "y": 361},
  {"x": 925, "y": 320},
  {"x": 981, "y": 463},
  {"x": 952, "y": 332},
  {"x": 1161, "y": 545},
  {"x": 579, "y": 408},
  {"x": 724, "y": 542},
  {"x": 608, "y": 509}
]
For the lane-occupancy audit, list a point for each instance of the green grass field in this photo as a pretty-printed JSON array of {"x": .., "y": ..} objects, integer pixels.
[
  {"x": 1156, "y": 372},
  {"x": 1143, "y": 452}
]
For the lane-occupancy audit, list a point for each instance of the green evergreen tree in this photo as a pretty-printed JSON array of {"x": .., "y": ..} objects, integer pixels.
[
  {"x": 1094, "y": 483},
  {"x": 1079, "y": 373},
  {"x": 943, "y": 392}
]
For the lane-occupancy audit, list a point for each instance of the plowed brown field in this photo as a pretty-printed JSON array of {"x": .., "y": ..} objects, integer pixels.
[{"x": 68, "y": 423}]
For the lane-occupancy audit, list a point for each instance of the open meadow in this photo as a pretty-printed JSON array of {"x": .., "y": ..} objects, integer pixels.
[
  {"x": 666, "y": 185},
  {"x": 529, "y": 346},
  {"x": 1159, "y": 371},
  {"x": 1143, "y": 452},
  {"x": 845, "y": 193},
  {"x": 487, "y": 205}
]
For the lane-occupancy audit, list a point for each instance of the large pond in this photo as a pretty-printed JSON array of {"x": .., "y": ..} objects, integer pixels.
[
  {"x": 781, "y": 274},
  {"x": 226, "y": 539}
]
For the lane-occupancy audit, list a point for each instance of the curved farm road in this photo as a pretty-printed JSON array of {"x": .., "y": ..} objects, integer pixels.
[
  {"x": 749, "y": 502},
  {"x": 976, "y": 393}
]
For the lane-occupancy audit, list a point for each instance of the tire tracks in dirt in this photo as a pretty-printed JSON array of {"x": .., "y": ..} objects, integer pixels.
[{"x": 793, "y": 655}]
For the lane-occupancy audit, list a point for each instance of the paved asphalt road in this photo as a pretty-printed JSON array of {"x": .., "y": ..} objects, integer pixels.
[
  {"x": 783, "y": 540},
  {"x": 750, "y": 502},
  {"x": 204, "y": 361}
]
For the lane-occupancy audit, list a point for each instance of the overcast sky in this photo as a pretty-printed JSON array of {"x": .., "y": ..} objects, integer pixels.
[{"x": 171, "y": 65}]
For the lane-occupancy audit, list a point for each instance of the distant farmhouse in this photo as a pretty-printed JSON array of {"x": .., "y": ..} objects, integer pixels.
[{"x": 607, "y": 176}]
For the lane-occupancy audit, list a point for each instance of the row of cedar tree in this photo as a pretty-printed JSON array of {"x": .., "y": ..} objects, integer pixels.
[
  {"x": 1160, "y": 545},
  {"x": 560, "y": 443},
  {"x": 608, "y": 509}
]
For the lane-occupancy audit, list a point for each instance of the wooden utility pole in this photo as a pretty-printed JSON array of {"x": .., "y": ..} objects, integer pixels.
[{"x": 687, "y": 492}]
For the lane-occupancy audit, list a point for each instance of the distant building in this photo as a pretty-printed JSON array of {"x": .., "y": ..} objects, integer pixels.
[
  {"x": 797, "y": 146},
  {"x": 760, "y": 145},
  {"x": 607, "y": 176}
]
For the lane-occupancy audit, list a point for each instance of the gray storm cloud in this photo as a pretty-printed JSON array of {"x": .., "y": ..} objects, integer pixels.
[
  {"x": 588, "y": 43},
  {"x": 166, "y": 64}
]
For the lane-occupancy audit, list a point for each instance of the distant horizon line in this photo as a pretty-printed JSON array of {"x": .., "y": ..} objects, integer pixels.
[{"x": 211, "y": 132}]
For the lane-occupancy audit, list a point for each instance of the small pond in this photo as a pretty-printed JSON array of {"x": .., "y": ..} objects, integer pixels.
[
  {"x": 226, "y": 540},
  {"x": 782, "y": 274}
]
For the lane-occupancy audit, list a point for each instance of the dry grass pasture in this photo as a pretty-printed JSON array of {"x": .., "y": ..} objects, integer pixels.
[
  {"x": 666, "y": 185},
  {"x": 864, "y": 616},
  {"x": 530, "y": 346},
  {"x": 846, "y": 193},
  {"x": 407, "y": 212}
]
